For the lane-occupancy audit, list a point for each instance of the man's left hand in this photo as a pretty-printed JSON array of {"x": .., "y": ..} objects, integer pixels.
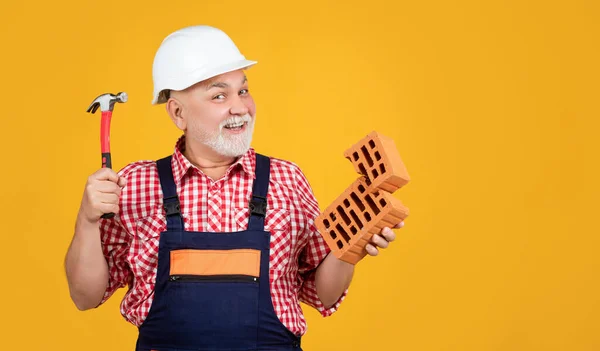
[{"x": 382, "y": 240}]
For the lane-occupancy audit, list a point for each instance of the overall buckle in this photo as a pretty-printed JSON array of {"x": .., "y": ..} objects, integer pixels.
[
  {"x": 258, "y": 206},
  {"x": 171, "y": 206}
]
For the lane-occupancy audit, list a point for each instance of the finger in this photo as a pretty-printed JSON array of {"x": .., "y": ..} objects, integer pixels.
[
  {"x": 399, "y": 225},
  {"x": 108, "y": 198},
  {"x": 122, "y": 182},
  {"x": 105, "y": 174},
  {"x": 104, "y": 186},
  {"x": 371, "y": 250},
  {"x": 388, "y": 234},
  {"x": 379, "y": 241},
  {"x": 108, "y": 208}
]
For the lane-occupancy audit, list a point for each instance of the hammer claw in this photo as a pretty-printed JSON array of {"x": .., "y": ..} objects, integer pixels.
[{"x": 93, "y": 107}]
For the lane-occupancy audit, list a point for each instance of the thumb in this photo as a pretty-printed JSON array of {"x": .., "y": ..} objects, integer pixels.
[{"x": 122, "y": 182}]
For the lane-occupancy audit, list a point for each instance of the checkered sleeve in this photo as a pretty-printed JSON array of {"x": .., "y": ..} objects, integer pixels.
[
  {"x": 314, "y": 252},
  {"x": 116, "y": 241},
  {"x": 115, "y": 245}
]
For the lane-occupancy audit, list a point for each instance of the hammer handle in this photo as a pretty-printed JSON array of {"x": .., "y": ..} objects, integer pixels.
[
  {"x": 106, "y": 161},
  {"x": 105, "y": 146}
]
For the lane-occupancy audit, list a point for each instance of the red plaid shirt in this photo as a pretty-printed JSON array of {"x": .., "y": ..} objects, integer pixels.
[{"x": 130, "y": 240}]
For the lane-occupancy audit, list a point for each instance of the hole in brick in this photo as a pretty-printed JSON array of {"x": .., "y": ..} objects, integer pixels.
[
  {"x": 382, "y": 168},
  {"x": 342, "y": 213},
  {"x": 353, "y": 230},
  {"x": 377, "y": 156},
  {"x": 375, "y": 173},
  {"x": 340, "y": 244},
  {"x": 332, "y": 216},
  {"x": 326, "y": 223},
  {"x": 355, "y": 155},
  {"x": 361, "y": 189},
  {"x": 372, "y": 204},
  {"x": 342, "y": 232},
  {"x": 346, "y": 203},
  {"x": 356, "y": 219},
  {"x": 367, "y": 216},
  {"x": 372, "y": 144},
  {"x": 367, "y": 156},
  {"x": 333, "y": 235},
  {"x": 382, "y": 202},
  {"x": 362, "y": 169},
  {"x": 357, "y": 201}
]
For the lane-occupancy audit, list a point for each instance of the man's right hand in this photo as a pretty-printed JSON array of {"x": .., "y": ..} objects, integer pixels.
[{"x": 101, "y": 195}]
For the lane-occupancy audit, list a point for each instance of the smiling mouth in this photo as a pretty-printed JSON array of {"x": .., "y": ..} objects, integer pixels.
[{"x": 236, "y": 126}]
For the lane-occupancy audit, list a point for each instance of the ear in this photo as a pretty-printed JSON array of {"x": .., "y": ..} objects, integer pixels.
[{"x": 175, "y": 109}]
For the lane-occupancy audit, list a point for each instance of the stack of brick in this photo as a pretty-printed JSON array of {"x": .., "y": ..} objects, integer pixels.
[{"x": 367, "y": 206}]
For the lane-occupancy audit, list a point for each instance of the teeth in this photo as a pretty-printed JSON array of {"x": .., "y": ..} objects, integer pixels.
[{"x": 236, "y": 122}]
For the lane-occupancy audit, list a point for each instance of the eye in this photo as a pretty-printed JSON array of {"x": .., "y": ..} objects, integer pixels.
[
  {"x": 219, "y": 97},
  {"x": 244, "y": 92}
]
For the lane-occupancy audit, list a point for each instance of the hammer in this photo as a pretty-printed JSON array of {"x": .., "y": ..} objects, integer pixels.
[{"x": 106, "y": 103}]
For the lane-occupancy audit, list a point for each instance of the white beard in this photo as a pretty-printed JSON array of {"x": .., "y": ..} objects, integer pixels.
[{"x": 230, "y": 145}]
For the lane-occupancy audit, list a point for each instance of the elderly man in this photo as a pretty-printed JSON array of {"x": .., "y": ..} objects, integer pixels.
[{"x": 216, "y": 243}]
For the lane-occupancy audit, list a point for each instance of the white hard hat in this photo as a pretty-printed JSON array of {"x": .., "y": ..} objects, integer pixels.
[{"x": 191, "y": 55}]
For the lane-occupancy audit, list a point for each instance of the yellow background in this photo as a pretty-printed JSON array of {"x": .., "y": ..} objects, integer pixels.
[{"x": 493, "y": 106}]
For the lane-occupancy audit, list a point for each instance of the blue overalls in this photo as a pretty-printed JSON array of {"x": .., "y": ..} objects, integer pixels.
[{"x": 213, "y": 311}]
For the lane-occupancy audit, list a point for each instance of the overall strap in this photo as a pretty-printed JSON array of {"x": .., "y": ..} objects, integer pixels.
[
  {"x": 170, "y": 199},
  {"x": 258, "y": 203}
]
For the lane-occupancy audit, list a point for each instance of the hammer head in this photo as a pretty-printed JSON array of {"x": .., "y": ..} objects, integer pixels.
[{"x": 106, "y": 102}]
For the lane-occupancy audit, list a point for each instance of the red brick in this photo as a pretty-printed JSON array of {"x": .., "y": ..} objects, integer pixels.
[
  {"x": 376, "y": 157},
  {"x": 348, "y": 224}
]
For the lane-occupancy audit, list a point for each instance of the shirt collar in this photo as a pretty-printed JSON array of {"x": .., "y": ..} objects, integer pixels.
[{"x": 182, "y": 165}]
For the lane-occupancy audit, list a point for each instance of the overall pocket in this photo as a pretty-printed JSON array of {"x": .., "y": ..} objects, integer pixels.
[{"x": 213, "y": 297}]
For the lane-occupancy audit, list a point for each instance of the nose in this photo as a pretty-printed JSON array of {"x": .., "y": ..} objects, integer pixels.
[{"x": 238, "y": 107}]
